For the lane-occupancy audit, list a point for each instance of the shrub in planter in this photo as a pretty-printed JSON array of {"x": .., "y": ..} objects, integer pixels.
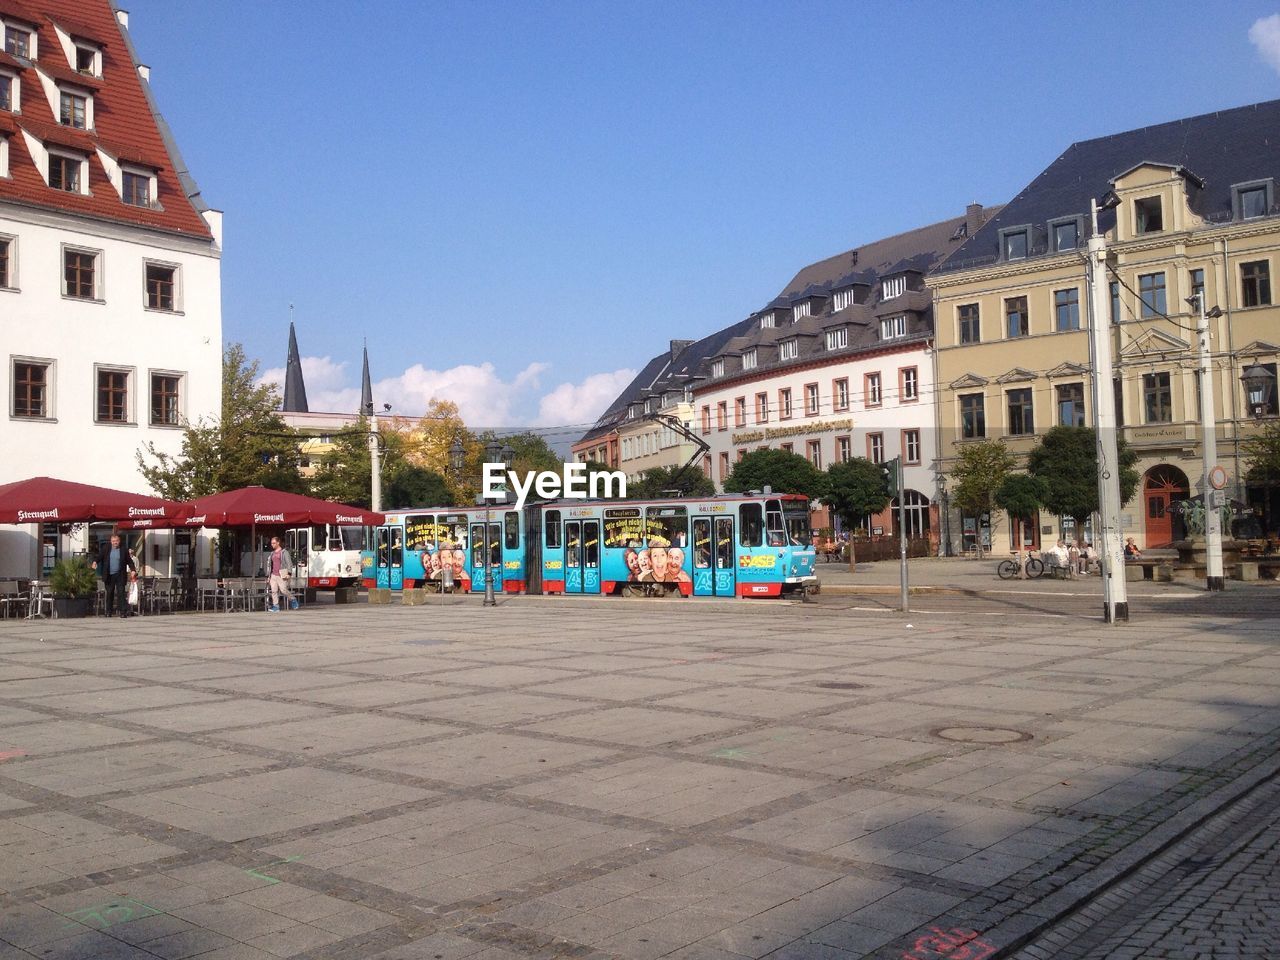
[{"x": 73, "y": 584}]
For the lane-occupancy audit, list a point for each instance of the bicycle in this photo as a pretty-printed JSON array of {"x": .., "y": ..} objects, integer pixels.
[{"x": 1008, "y": 569}]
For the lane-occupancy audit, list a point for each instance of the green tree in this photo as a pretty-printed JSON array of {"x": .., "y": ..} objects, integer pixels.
[
  {"x": 531, "y": 453},
  {"x": 1021, "y": 495},
  {"x": 666, "y": 481},
  {"x": 856, "y": 489},
  {"x": 412, "y": 486},
  {"x": 980, "y": 470},
  {"x": 1263, "y": 453},
  {"x": 248, "y": 444},
  {"x": 345, "y": 473},
  {"x": 1066, "y": 462},
  {"x": 781, "y": 470}
]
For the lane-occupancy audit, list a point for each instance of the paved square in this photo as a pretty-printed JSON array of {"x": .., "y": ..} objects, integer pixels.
[{"x": 541, "y": 780}]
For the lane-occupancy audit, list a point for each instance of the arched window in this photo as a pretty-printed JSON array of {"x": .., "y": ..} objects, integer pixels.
[{"x": 916, "y": 513}]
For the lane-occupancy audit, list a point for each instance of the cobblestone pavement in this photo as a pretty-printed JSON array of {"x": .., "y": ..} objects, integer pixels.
[
  {"x": 641, "y": 779},
  {"x": 1215, "y": 895}
]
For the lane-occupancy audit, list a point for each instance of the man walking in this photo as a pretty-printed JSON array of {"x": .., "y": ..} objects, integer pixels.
[
  {"x": 278, "y": 567},
  {"x": 114, "y": 564}
]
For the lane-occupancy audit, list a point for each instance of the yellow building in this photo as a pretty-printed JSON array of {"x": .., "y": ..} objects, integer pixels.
[{"x": 1189, "y": 208}]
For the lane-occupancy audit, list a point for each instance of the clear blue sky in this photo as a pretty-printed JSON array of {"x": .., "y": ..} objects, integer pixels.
[{"x": 574, "y": 183}]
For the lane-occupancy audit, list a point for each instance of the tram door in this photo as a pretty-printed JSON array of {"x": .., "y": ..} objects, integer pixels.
[
  {"x": 582, "y": 556},
  {"x": 713, "y": 563},
  {"x": 478, "y": 557},
  {"x": 382, "y": 558},
  {"x": 395, "y": 552}
]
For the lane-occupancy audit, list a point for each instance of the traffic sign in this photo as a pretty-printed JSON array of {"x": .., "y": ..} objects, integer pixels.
[{"x": 1217, "y": 478}]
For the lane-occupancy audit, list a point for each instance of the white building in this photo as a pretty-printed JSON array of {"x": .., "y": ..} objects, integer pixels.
[{"x": 110, "y": 300}]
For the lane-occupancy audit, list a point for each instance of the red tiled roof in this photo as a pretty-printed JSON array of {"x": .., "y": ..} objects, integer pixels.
[{"x": 124, "y": 125}]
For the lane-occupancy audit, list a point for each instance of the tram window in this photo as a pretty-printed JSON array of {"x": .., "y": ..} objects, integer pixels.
[
  {"x": 477, "y": 552},
  {"x": 512, "y": 535},
  {"x": 495, "y": 545},
  {"x": 623, "y": 528},
  {"x": 397, "y": 546},
  {"x": 671, "y": 523},
  {"x": 724, "y": 543},
  {"x": 701, "y": 544},
  {"x": 591, "y": 548},
  {"x": 384, "y": 534},
  {"x": 551, "y": 524},
  {"x": 774, "y": 524},
  {"x": 799, "y": 532},
  {"x": 572, "y": 543},
  {"x": 319, "y": 537},
  {"x": 752, "y": 516},
  {"x": 353, "y": 538}
]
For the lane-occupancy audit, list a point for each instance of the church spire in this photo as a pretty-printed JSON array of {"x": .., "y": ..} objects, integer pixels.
[
  {"x": 366, "y": 387},
  {"x": 295, "y": 391}
]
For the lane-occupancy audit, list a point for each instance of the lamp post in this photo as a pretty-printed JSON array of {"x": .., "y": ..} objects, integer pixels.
[{"x": 1209, "y": 446}]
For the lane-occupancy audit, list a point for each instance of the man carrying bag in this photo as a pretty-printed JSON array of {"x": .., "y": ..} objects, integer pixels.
[{"x": 114, "y": 564}]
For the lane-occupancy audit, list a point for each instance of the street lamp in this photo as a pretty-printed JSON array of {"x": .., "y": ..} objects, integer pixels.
[
  {"x": 493, "y": 453},
  {"x": 1259, "y": 384},
  {"x": 1214, "y": 579}
]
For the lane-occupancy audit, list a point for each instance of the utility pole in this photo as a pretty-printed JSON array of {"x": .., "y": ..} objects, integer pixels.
[
  {"x": 375, "y": 465},
  {"x": 1115, "y": 588},
  {"x": 1214, "y": 579},
  {"x": 902, "y": 536}
]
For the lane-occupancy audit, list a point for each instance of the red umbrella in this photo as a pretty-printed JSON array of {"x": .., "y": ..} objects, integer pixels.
[
  {"x": 261, "y": 506},
  {"x": 47, "y": 500}
]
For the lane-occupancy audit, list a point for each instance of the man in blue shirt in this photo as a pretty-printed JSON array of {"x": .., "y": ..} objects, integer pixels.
[{"x": 114, "y": 564}]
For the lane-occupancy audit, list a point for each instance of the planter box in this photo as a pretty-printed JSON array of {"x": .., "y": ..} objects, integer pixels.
[
  {"x": 72, "y": 608},
  {"x": 346, "y": 595}
]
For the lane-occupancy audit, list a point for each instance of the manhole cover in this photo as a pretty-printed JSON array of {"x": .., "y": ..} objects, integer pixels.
[
  {"x": 981, "y": 734},
  {"x": 840, "y": 685}
]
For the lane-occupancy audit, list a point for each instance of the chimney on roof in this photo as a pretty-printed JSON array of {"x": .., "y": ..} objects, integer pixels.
[
  {"x": 295, "y": 391},
  {"x": 144, "y": 72},
  {"x": 677, "y": 346},
  {"x": 122, "y": 18},
  {"x": 974, "y": 217}
]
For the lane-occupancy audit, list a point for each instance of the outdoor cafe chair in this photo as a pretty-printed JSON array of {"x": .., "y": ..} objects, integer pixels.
[
  {"x": 162, "y": 594},
  {"x": 12, "y": 599},
  {"x": 209, "y": 595}
]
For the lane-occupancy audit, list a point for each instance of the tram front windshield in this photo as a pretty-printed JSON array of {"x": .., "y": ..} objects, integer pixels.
[
  {"x": 352, "y": 538},
  {"x": 799, "y": 532}
]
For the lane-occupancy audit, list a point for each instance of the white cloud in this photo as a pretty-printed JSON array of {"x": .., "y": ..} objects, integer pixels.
[
  {"x": 484, "y": 399},
  {"x": 1265, "y": 35}
]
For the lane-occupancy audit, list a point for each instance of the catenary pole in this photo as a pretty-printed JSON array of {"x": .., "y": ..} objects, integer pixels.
[
  {"x": 1115, "y": 589},
  {"x": 1209, "y": 446}
]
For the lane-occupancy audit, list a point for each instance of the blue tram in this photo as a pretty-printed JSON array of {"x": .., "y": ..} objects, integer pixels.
[{"x": 748, "y": 545}]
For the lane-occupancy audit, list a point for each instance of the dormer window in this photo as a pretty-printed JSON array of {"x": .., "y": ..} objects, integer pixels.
[
  {"x": 88, "y": 60},
  {"x": 893, "y": 327},
  {"x": 137, "y": 187},
  {"x": 717, "y": 368},
  {"x": 1148, "y": 215},
  {"x": 801, "y": 309},
  {"x": 767, "y": 321},
  {"x": 18, "y": 42},
  {"x": 8, "y": 92},
  {"x": 1252, "y": 200},
  {"x": 73, "y": 110},
  {"x": 1015, "y": 244},
  {"x": 66, "y": 173},
  {"x": 843, "y": 299},
  {"x": 893, "y": 287},
  {"x": 789, "y": 349},
  {"x": 749, "y": 359},
  {"x": 1065, "y": 235},
  {"x": 838, "y": 338}
]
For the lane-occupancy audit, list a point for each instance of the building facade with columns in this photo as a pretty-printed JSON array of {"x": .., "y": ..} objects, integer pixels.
[
  {"x": 1189, "y": 211},
  {"x": 110, "y": 290}
]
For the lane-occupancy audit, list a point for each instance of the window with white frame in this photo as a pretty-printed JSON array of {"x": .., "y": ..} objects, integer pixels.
[
  {"x": 844, "y": 451},
  {"x": 112, "y": 390},
  {"x": 166, "y": 399},
  {"x": 81, "y": 273},
  {"x": 32, "y": 380},
  {"x": 784, "y": 403},
  {"x": 740, "y": 412},
  {"x": 837, "y": 338},
  {"x": 717, "y": 368},
  {"x": 137, "y": 187},
  {"x": 19, "y": 41},
  {"x": 910, "y": 386},
  {"x": 840, "y": 394},
  {"x": 749, "y": 359},
  {"x": 799, "y": 310},
  {"x": 162, "y": 287},
  {"x": 875, "y": 447},
  {"x": 811, "y": 399},
  {"x": 911, "y": 446},
  {"x": 843, "y": 299},
  {"x": 814, "y": 450},
  {"x": 789, "y": 349},
  {"x": 762, "y": 408},
  {"x": 767, "y": 320},
  {"x": 893, "y": 327},
  {"x": 893, "y": 287},
  {"x": 66, "y": 172},
  {"x": 8, "y": 246},
  {"x": 73, "y": 109},
  {"x": 88, "y": 60},
  {"x": 8, "y": 92},
  {"x": 871, "y": 389}
]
